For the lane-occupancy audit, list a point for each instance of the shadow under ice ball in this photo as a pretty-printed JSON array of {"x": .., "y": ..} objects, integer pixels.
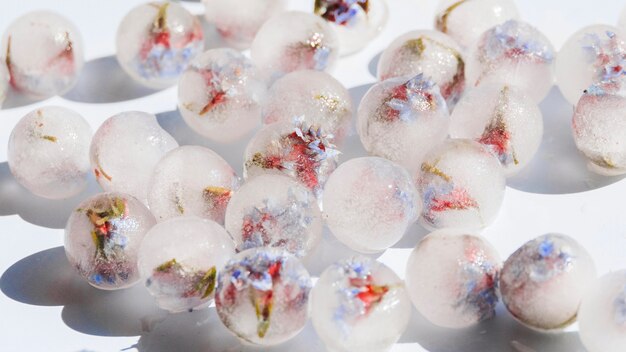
[
  {"x": 179, "y": 260},
  {"x": 543, "y": 282},
  {"x": 359, "y": 304},
  {"x": 156, "y": 41},
  {"x": 102, "y": 239},
  {"x": 48, "y": 154},
  {"x": 43, "y": 52},
  {"x": 262, "y": 296}
]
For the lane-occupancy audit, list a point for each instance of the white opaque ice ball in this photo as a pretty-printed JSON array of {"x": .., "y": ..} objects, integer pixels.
[
  {"x": 156, "y": 41},
  {"x": 293, "y": 41},
  {"x": 513, "y": 53},
  {"x": 262, "y": 296},
  {"x": 401, "y": 119},
  {"x": 102, "y": 239},
  {"x": 238, "y": 21},
  {"x": 369, "y": 203},
  {"x": 543, "y": 282},
  {"x": 452, "y": 278},
  {"x": 466, "y": 20},
  {"x": 431, "y": 53},
  {"x": 503, "y": 119},
  {"x": 602, "y": 314},
  {"x": 461, "y": 185},
  {"x": 43, "y": 52},
  {"x": 48, "y": 152},
  {"x": 591, "y": 55},
  {"x": 274, "y": 211},
  {"x": 315, "y": 96},
  {"x": 359, "y": 304},
  {"x": 191, "y": 180},
  {"x": 220, "y": 95},
  {"x": 125, "y": 150},
  {"x": 4, "y": 83},
  {"x": 179, "y": 260}
]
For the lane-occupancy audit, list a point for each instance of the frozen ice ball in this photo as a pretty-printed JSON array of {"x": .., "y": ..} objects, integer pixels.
[
  {"x": 431, "y": 53},
  {"x": 359, "y": 304},
  {"x": 315, "y": 96},
  {"x": 293, "y": 41},
  {"x": 4, "y": 83},
  {"x": 461, "y": 185},
  {"x": 48, "y": 152},
  {"x": 125, "y": 150},
  {"x": 401, "y": 119},
  {"x": 602, "y": 314},
  {"x": 220, "y": 95},
  {"x": 369, "y": 203},
  {"x": 452, "y": 278},
  {"x": 503, "y": 119},
  {"x": 179, "y": 260},
  {"x": 274, "y": 211},
  {"x": 542, "y": 283},
  {"x": 102, "y": 239},
  {"x": 191, "y": 180},
  {"x": 513, "y": 53},
  {"x": 43, "y": 52},
  {"x": 262, "y": 296},
  {"x": 156, "y": 41}
]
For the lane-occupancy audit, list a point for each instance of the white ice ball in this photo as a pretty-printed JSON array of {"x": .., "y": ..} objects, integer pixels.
[{"x": 5, "y": 78}]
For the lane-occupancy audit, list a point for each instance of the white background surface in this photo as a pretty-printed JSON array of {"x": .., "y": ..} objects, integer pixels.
[{"x": 44, "y": 306}]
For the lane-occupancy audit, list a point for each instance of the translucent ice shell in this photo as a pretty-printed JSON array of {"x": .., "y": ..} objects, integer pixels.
[
  {"x": 179, "y": 260},
  {"x": 43, "y": 52},
  {"x": 516, "y": 54},
  {"x": 274, "y": 211},
  {"x": 452, "y": 278},
  {"x": 359, "y": 304},
  {"x": 401, "y": 119},
  {"x": 192, "y": 180},
  {"x": 220, "y": 95},
  {"x": 4, "y": 82},
  {"x": 48, "y": 152},
  {"x": 543, "y": 282},
  {"x": 156, "y": 41},
  {"x": 504, "y": 120},
  {"x": 369, "y": 203},
  {"x": 102, "y": 239},
  {"x": 125, "y": 150},
  {"x": 461, "y": 185},
  {"x": 262, "y": 296}
]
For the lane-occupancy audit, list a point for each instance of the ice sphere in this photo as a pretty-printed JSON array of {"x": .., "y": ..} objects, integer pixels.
[
  {"x": 274, "y": 211},
  {"x": 293, "y": 41},
  {"x": 359, "y": 304},
  {"x": 238, "y": 21},
  {"x": 301, "y": 151},
  {"x": 591, "y": 55},
  {"x": 461, "y": 185},
  {"x": 43, "y": 52},
  {"x": 125, "y": 150},
  {"x": 401, "y": 119},
  {"x": 48, "y": 152},
  {"x": 179, "y": 260},
  {"x": 191, "y": 180},
  {"x": 513, "y": 53},
  {"x": 356, "y": 22},
  {"x": 262, "y": 296},
  {"x": 452, "y": 278},
  {"x": 431, "y": 53},
  {"x": 602, "y": 314},
  {"x": 369, "y": 203},
  {"x": 156, "y": 41},
  {"x": 102, "y": 239},
  {"x": 504, "y": 120},
  {"x": 4, "y": 83},
  {"x": 542, "y": 283},
  {"x": 315, "y": 96},
  {"x": 466, "y": 20}
]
